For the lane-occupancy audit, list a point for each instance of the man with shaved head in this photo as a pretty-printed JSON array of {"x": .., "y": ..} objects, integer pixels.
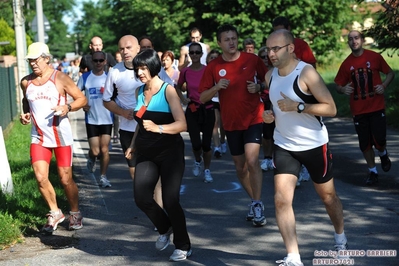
[
  {"x": 299, "y": 99},
  {"x": 96, "y": 44}
]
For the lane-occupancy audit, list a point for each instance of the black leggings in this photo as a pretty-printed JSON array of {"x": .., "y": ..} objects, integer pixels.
[
  {"x": 197, "y": 122},
  {"x": 169, "y": 165}
]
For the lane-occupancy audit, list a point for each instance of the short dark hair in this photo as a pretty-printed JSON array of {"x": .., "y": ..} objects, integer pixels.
[
  {"x": 225, "y": 28},
  {"x": 99, "y": 52},
  {"x": 195, "y": 29},
  {"x": 248, "y": 41},
  {"x": 148, "y": 58},
  {"x": 281, "y": 21},
  {"x": 146, "y": 37},
  {"x": 195, "y": 44}
]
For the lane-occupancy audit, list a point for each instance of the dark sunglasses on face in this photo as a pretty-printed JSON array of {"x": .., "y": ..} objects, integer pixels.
[
  {"x": 195, "y": 52},
  {"x": 263, "y": 56},
  {"x": 98, "y": 60}
]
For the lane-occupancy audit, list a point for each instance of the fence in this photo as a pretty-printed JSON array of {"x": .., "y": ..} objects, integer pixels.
[{"x": 8, "y": 96}]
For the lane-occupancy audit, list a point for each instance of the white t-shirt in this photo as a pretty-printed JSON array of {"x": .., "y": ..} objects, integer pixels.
[{"x": 94, "y": 89}]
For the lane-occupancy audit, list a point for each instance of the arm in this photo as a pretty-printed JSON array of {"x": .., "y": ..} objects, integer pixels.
[
  {"x": 388, "y": 79},
  {"x": 179, "y": 125},
  {"x": 25, "y": 117},
  {"x": 184, "y": 58},
  {"x": 66, "y": 86},
  {"x": 311, "y": 82},
  {"x": 130, "y": 150}
]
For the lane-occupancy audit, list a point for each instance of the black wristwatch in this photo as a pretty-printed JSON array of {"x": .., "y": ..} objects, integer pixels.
[
  {"x": 300, "y": 107},
  {"x": 69, "y": 107}
]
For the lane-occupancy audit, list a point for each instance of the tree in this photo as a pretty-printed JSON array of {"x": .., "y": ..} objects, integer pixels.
[
  {"x": 7, "y": 35},
  {"x": 59, "y": 40},
  {"x": 385, "y": 31}
]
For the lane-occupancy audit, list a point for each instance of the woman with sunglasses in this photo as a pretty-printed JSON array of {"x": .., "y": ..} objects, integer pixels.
[{"x": 200, "y": 117}]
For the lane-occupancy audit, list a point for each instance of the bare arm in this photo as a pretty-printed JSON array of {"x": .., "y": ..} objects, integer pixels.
[
  {"x": 184, "y": 58},
  {"x": 311, "y": 82},
  {"x": 66, "y": 86},
  {"x": 207, "y": 95},
  {"x": 25, "y": 117}
]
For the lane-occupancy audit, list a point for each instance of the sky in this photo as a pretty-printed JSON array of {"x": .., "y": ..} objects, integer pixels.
[{"x": 77, "y": 9}]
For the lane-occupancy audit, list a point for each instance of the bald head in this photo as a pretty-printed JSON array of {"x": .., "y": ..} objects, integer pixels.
[
  {"x": 128, "y": 47},
  {"x": 283, "y": 34},
  {"x": 96, "y": 44}
]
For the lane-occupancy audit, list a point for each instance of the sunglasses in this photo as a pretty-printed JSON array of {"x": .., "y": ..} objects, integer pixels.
[
  {"x": 263, "y": 56},
  {"x": 195, "y": 52},
  {"x": 98, "y": 60}
]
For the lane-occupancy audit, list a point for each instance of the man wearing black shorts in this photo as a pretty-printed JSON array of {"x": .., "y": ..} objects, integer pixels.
[{"x": 299, "y": 99}]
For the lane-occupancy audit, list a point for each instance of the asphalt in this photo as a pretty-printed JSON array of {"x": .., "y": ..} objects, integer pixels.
[{"x": 116, "y": 232}]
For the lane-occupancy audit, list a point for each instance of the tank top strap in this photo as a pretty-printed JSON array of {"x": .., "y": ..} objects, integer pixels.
[{"x": 53, "y": 75}]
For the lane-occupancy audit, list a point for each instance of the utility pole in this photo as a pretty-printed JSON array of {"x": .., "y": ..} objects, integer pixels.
[
  {"x": 20, "y": 42},
  {"x": 40, "y": 21}
]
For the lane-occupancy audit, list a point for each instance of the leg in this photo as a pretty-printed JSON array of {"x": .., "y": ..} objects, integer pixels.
[
  {"x": 242, "y": 173},
  {"x": 104, "y": 160},
  {"x": 70, "y": 188},
  {"x": 254, "y": 171},
  {"x": 158, "y": 193},
  {"x": 284, "y": 185},
  {"x": 326, "y": 192},
  {"x": 41, "y": 170}
]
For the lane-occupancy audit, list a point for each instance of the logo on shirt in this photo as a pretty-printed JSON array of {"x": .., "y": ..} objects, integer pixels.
[{"x": 222, "y": 72}]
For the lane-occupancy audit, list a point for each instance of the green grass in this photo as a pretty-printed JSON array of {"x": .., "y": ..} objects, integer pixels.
[
  {"x": 328, "y": 72},
  {"x": 24, "y": 211}
]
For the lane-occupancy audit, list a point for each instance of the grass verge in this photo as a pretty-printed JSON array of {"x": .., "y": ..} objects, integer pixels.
[{"x": 24, "y": 211}]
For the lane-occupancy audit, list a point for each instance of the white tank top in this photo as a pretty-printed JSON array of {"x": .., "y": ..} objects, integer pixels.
[
  {"x": 48, "y": 130},
  {"x": 295, "y": 131}
]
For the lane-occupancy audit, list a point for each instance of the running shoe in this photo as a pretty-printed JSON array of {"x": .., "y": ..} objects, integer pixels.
[
  {"x": 104, "y": 182},
  {"x": 340, "y": 249},
  {"x": 197, "y": 168},
  {"x": 250, "y": 215},
  {"x": 163, "y": 240},
  {"x": 53, "y": 219},
  {"x": 287, "y": 262},
  {"x": 372, "y": 179},
  {"x": 385, "y": 162},
  {"x": 259, "y": 217},
  {"x": 207, "y": 176},
  {"x": 75, "y": 220},
  {"x": 179, "y": 255},
  {"x": 91, "y": 165},
  {"x": 217, "y": 152},
  {"x": 304, "y": 174},
  {"x": 223, "y": 147},
  {"x": 266, "y": 164}
]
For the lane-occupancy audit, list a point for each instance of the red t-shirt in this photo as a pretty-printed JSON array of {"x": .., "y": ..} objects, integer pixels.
[
  {"x": 239, "y": 109},
  {"x": 363, "y": 73},
  {"x": 303, "y": 51}
]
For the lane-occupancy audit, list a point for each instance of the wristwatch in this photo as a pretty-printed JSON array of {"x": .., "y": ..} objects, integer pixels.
[
  {"x": 160, "y": 129},
  {"x": 300, "y": 107},
  {"x": 69, "y": 107}
]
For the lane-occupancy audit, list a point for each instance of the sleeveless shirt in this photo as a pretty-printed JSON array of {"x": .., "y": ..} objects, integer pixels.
[{"x": 48, "y": 130}]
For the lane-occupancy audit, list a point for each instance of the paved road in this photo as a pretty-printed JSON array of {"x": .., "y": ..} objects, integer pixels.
[{"x": 116, "y": 232}]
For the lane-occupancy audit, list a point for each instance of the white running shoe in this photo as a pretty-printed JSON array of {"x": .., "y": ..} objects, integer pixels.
[
  {"x": 207, "y": 176},
  {"x": 304, "y": 174},
  {"x": 286, "y": 262},
  {"x": 104, "y": 182},
  {"x": 259, "y": 217},
  {"x": 223, "y": 147},
  {"x": 179, "y": 255},
  {"x": 197, "y": 168},
  {"x": 266, "y": 164},
  {"x": 163, "y": 240},
  {"x": 91, "y": 165},
  {"x": 217, "y": 152}
]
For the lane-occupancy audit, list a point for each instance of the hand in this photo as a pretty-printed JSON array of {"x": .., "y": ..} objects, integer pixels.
[
  {"x": 286, "y": 104},
  {"x": 223, "y": 83},
  {"x": 252, "y": 87},
  {"x": 128, "y": 114},
  {"x": 186, "y": 101},
  {"x": 268, "y": 116},
  {"x": 129, "y": 153},
  {"x": 24, "y": 118},
  {"x": 60, "y": 110},
  {"x": 379, "y": 89},
  {"x": 347, "y": 89},
  {"x": 86, "y": 108},
  {"x": 150, "y": 126}
]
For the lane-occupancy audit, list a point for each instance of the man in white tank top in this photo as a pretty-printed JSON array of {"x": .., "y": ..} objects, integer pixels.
[
  {"x": 184, "y": 59},
  {"x": 299, "y": 99},
  {"x": 45, "y": 103}
]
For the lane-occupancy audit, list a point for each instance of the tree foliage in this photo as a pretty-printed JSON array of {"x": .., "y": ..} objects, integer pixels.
[
  {"x": 60, "y": 42},
  {"x": 7, "y": 35},
  {"x": 385, "y": 30},
  {"x": 168, "y": 21}
]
